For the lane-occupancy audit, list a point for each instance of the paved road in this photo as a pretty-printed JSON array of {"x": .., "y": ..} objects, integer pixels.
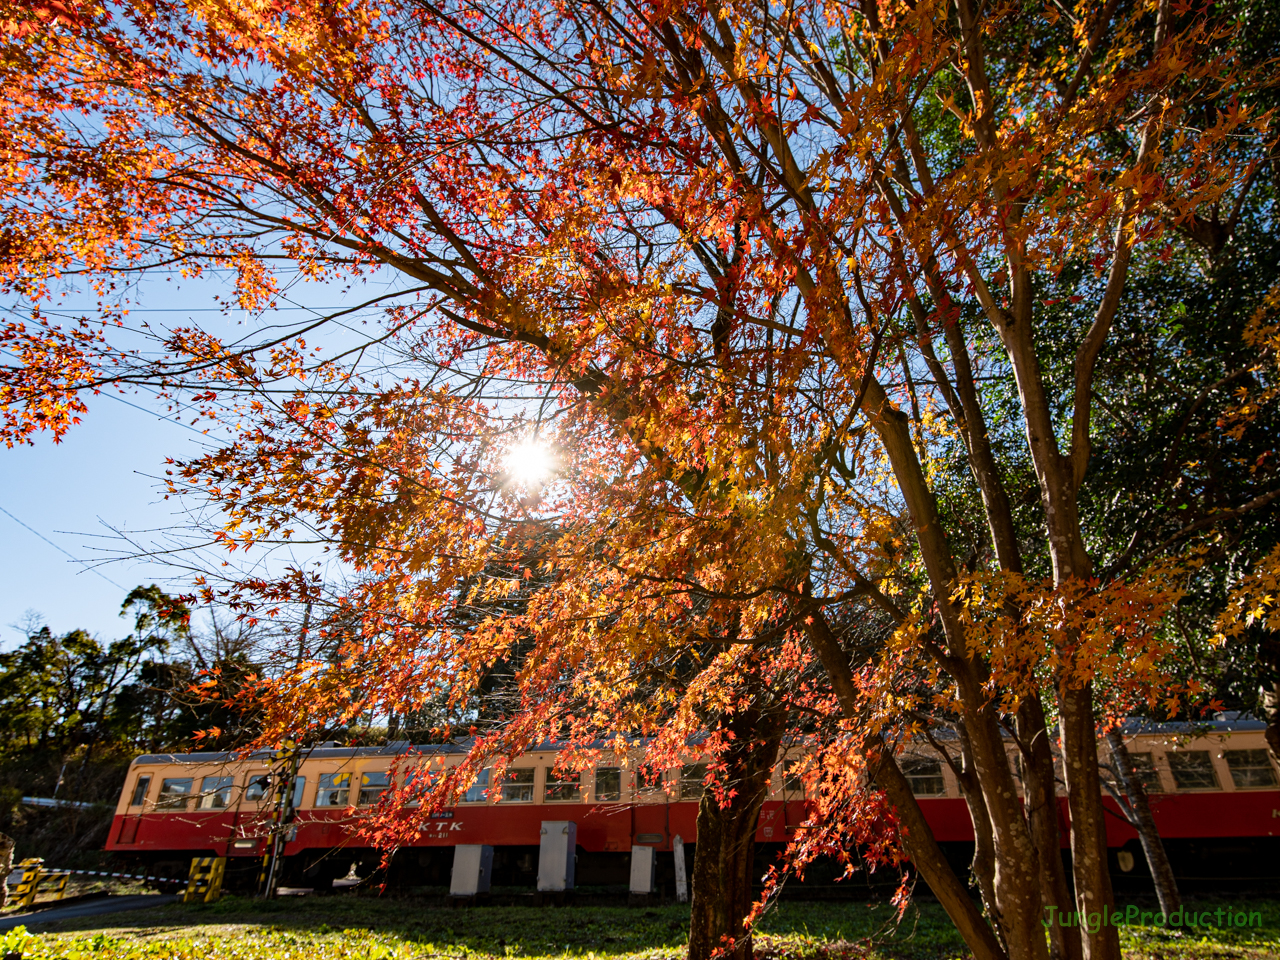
[{"x": 89, "y": 908}]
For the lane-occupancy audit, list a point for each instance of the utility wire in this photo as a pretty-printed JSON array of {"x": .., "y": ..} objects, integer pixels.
[
  {"x": 158, "y": 416},
  {"x": 60, "y": 550}
]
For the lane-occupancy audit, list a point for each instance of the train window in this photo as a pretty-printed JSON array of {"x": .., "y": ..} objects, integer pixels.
[
  {"x": 140, "y": 791},
  {"x": 334, "y": 790},
  {"x": 1145, "y": 769},
  {"x": 1192, "y": 770},
  {"x": 215, "y": 793},
  {"x": 1250, "y": 768},
  {"x": 417, "y": 783},
  {"x": 925, "y": 776},
  {"x": 518, "y": 785},
  {"x": 692, "y": 776},
  {"x": 372, "y": 786},
  {"x": 647, "y": 781},
  {"x": 564, "y": 786},
  {"x": 174, "y": 794},
  {"x": 792, "y": 782},
  {"x": 478, "y": 792},
  {"x": 256, "y": 790},
  {"x": 608, "y": 783}
]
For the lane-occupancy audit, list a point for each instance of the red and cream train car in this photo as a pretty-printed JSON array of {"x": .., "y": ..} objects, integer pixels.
[{"x": 1215, "y": 796}]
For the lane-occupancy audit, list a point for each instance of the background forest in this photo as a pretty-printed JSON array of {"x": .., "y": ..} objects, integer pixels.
[{"x": 76, "y": 709}]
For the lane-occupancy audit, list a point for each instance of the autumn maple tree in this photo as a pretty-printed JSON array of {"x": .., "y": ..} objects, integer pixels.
[{"x": 756, "y": 277}]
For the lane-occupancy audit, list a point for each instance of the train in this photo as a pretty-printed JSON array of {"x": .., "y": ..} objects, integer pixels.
[{"x": 1214, "y": 788}]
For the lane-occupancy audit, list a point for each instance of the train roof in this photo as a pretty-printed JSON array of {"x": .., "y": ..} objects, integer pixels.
[
  {"x": 1230, "y": 722},
  {"x": 313, "y": 753},
  {"x": 334, "y": 752}
]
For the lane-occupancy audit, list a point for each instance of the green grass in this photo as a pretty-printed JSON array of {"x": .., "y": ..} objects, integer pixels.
[{"x": 366, "y": 928}]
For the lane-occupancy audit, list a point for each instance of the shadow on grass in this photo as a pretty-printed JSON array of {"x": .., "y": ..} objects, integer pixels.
[{"x": 792, "y": 931}]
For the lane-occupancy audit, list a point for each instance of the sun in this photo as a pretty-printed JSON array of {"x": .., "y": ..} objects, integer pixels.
[{"x": 530, "y": 462}]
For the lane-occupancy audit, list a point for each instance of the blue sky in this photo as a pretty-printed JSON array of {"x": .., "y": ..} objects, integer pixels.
[
  {"x": 102, "y": 476},
  {"x": 103, "y": 480}
]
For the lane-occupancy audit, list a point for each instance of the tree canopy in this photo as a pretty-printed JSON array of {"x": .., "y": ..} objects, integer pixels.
[
  {"x": 72, "y": 694},
  {"x": 812, "y": 308}
]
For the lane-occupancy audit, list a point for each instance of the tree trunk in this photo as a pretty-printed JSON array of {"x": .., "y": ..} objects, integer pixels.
[
  {"x": 918, "y": 839},
  {"x": 6, "y": 868},
  {"x": 1145, "y": 823},
  {"x": 726, "y": 842},
  {"x": 1271, "y": 714},
  {"x": 983, "y": 865},
  {"x": 1041, "y": 796},
  {"x": 1016, "y": 878},
  {"x": 1017, "y": 871},
  {"x": 979, "y": 936},
  {"x": 1088, "y": 831}
]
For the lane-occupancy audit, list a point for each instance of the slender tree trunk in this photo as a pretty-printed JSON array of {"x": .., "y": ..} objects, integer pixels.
[
  {"x": 1152, "y": 845},
  {"x": 918, "y": 837},
  {"x": 1094, "y": 898},
  {"x": 979, "y": 935},
  {"x": 1016, "y": 879},
  {"x": 1041, "y": 797},
  {"x": 726, "y": 848},
  {"x": 1017, "y": 871},
  {"x": 983, "y": 866},
  {"x": 1059, "y": 478},
  {"x": 6, "y": 868}
]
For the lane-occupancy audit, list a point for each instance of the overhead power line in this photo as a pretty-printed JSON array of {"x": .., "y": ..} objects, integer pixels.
[{"x": 94, "y": 570}]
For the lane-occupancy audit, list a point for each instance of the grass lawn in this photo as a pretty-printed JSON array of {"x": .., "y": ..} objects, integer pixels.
[{"x": 366, "y": 928}]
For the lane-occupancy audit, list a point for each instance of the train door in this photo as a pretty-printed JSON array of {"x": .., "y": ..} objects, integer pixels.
[
  {"x": 606, "y": 793},
  {"x": 651, "y": 817},
  {"x": 132, "y": 819}
]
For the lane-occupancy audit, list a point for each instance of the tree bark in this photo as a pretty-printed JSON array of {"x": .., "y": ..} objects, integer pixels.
[
  {"x": 1271, "y": 714},
  {"x": 927, "y": 856},
  {"x": 1017, "y": 870},
  {"x": 983, "y": 866},
  {"x": 1145, "y": 823},
  {"x": 1088, "y": 831},
  {"x": 726, "y": 847},
  {"x": 1016, "y": 878},
  {"x": 1041, "y": 798},
  {"x": 917, "y": 837}
]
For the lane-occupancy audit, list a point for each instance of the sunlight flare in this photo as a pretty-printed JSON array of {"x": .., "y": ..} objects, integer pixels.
[{"x": 530, "y": 462}]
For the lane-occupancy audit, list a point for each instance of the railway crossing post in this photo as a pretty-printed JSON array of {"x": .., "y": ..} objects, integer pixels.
[
  {"x": 288, "y": 758},
  {"x": 682, "y": 873},
  {"x": 34, "y": 874},
  {"x": 205, "y": 882},
  {"x": 25, "y": 894}
]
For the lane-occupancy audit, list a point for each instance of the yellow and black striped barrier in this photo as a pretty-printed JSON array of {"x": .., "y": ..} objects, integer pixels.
[
  {"x": 33, "y": 875},
  {"x": 205, "y": 882}
]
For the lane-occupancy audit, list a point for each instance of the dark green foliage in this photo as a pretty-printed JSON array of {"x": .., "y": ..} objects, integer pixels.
[
  {"x": 1167, "y": 476},
  {"x": 74, "y": 711}
]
